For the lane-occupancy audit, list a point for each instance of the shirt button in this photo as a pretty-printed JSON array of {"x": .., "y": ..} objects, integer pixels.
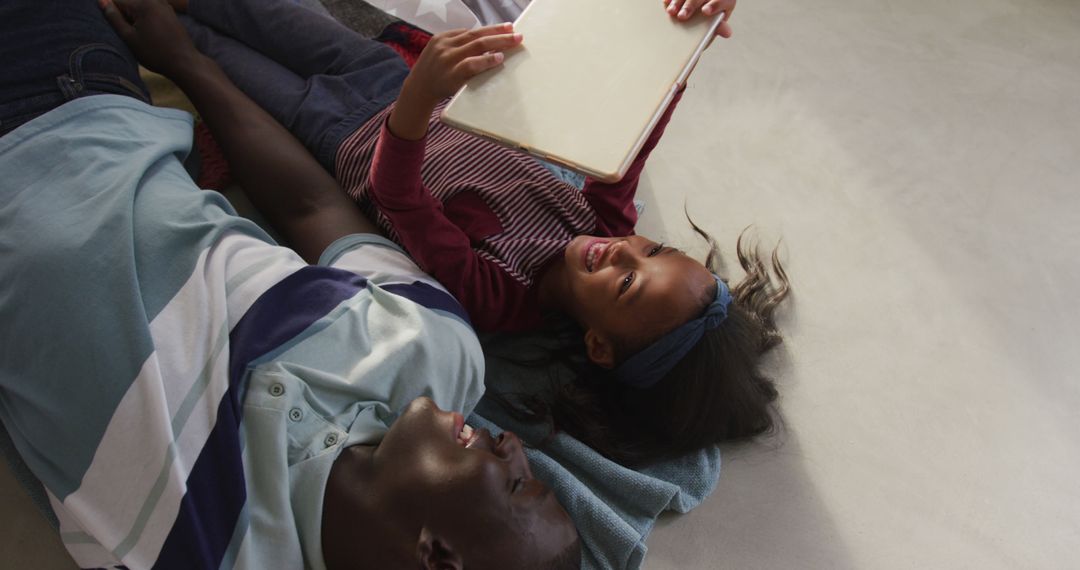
[
  {"x": 277, "y": 390},
  {"x": 296, "y": 414},
  {"x": 331, "y": 439}
]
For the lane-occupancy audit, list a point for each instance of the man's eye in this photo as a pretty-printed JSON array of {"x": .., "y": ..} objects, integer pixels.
[
  {"x": 629, "y": 279},
  {"x": 656, "y": 249},
  {"x": 517, "y": 485}
]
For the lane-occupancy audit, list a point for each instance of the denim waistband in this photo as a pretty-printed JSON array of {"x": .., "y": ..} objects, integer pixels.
[{"x": 92, "y": 69}]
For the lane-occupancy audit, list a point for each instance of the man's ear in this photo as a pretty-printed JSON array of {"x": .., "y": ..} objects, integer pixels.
[
  {"x": 434, "y": 553},
  {"x": 599, "y": 349}
]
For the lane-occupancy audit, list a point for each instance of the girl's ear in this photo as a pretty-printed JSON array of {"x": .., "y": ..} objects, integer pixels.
[
  {"x": 435, "y": 554},
  {"x": 599, "y": 349}
]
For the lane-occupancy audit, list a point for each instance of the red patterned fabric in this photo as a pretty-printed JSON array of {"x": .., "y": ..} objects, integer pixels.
[
  {"x": 405, "y": 39},
  {"x": 213, "y": 170}
]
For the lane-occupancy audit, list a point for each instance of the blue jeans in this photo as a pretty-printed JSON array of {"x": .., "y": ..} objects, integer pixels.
[
  {"x": 53, "y": 51},
  {"x": 317, "y": 77}
]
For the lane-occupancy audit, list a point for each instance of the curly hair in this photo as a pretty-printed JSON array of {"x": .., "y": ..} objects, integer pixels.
[{"x": 716, "y": 393}]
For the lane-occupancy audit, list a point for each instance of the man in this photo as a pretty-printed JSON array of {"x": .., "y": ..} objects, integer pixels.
[{"x": 192, "y": 395}]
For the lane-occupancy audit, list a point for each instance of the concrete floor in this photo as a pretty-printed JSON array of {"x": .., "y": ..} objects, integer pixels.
[{"x": 921, "y": 162}]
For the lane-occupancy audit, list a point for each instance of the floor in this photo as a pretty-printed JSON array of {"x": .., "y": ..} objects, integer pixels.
[
  {"x": 919, "y": 160},
  {"x": 918, "y": 163}
]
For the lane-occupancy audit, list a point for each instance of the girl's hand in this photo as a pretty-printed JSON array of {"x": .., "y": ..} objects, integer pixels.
[
  {"x": 452, "y": 58},
  {"x": 449, "y": 60},
  {"x": 683, "y": 10}
]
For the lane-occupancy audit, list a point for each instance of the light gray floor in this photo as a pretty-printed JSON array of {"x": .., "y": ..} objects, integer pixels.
[{"x": 920, "y": 161}]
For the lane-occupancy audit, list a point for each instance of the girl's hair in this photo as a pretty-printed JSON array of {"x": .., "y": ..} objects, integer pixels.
[{"x": 715, "y": 394}]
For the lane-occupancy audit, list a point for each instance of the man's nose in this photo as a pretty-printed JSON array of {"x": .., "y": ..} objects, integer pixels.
[
  {"x": 511, "y": 449},
  {"x": 507, "y": 445}
]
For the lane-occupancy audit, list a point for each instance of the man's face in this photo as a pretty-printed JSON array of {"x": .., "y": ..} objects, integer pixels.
[{"x": 476, "y": 491}]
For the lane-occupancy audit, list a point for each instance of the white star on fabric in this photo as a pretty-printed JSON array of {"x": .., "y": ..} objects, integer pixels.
[{"x": 436, "y": 7}]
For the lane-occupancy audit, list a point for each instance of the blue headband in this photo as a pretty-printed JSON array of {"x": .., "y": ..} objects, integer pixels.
[{"x": 654, "y": 361}]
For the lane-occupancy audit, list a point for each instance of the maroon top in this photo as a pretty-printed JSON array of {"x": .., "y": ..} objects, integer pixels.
[{"x": 483, "y": 219}]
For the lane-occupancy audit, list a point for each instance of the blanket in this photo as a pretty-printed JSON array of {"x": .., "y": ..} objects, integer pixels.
[{"x": 614, "y": 507}]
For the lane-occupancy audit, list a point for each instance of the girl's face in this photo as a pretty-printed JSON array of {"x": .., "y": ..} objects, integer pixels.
[{"x": 631, "y": 290}]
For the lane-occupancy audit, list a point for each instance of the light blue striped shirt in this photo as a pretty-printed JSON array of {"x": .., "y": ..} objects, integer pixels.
[{"x": 179, "y": 384}]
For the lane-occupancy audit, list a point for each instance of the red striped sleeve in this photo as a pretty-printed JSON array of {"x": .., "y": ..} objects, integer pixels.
[{"x": 492, "y": 276}]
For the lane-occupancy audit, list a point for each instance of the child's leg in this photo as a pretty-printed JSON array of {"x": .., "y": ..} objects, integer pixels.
[
  {"x": 320, "y": 110},
  {"x": 349, "y": 78},
  {"x": 306, "y": 42}
]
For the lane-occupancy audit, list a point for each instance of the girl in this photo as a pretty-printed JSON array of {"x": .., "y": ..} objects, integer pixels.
[{"x": 673, "y": 350}]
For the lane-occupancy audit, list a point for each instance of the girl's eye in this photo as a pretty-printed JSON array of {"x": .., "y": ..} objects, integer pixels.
[
  {"x": 517, "y": 485},
  {"x": 656, "y": 249},
  {"x": 626, "y": 282}
]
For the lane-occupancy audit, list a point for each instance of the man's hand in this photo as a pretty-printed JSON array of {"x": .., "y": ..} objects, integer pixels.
[
  {"x": 449, "y": 60},
  {"x": 685, "y": 9},
  {"x": 151, "y": 30},
  {"x": 287, "y": 185}
]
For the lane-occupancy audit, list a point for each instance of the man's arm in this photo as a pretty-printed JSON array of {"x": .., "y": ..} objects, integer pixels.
[{"x": 288, "y": 186}]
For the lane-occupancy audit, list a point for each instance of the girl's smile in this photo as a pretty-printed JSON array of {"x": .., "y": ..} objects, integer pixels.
[
  {"x": 593, "y": 252},
  {"x": 628, "y": 290}
]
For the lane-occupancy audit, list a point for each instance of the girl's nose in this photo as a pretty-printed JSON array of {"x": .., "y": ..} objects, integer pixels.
[
  {"x": 618, "y": 255},
  {"x": 622, "y": 254}
]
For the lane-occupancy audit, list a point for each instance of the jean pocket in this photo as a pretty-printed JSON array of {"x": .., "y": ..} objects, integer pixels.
[{"x": 100, "y": 68}]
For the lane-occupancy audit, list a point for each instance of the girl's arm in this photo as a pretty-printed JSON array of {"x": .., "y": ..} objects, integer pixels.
[
  {"x": 614, "y": 202},
  {"x": 492, "y": 298}
]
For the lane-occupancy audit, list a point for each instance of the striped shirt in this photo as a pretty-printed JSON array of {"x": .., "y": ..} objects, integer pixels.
[
  {"x": 483, "y": 219},
  {"x": 179, "y": 384}
]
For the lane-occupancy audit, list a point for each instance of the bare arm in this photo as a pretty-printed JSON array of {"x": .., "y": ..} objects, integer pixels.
[{"x": 281, "y": 178}]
